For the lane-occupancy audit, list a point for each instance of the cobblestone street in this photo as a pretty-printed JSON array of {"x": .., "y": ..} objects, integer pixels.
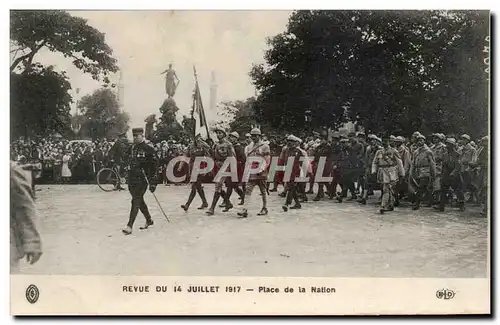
[{"x": 81, "y": 228}]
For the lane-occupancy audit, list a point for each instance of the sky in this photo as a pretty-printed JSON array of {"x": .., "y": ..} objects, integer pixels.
[{"x": 145, "y": 42}]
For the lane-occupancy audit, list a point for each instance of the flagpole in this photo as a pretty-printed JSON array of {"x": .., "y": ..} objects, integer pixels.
[
  {"x": 201, "y": 102},
  {"x": 193, "y": 121}
]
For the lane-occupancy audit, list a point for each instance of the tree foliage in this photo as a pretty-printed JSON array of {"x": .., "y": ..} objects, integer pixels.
[
  {"x": 102, "y": 116},
  {"x": 58, "y": 31},
  {"x": 239, "y": 116},
  {"x": 39, "y": 102},
  {"x": 40, "y": 96},
  {"x": 389, "y": 71}
]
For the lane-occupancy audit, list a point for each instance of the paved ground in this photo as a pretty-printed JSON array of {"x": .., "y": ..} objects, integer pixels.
[{"x": 81, "y": 227}]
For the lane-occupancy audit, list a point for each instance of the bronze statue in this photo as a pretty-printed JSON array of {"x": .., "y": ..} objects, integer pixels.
[{"x": 171, "y": 81}]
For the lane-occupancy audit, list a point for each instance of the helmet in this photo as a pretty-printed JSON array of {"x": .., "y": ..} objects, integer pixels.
[{"x": 255, "y": 131}]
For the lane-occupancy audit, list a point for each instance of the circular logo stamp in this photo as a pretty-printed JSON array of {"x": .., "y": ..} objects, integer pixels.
[{"x": 32, "y": 293}]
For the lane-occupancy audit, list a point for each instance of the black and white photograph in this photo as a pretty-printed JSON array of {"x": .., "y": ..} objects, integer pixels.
[{"x": 259, "y": 143}]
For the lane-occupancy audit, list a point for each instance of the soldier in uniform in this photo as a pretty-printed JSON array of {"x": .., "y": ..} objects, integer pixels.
[
  {"x": 405, "y": 156},
  {"x": 337, "y": 157},
  {"x": 257, "y": 148},
  {"x": 483, "y": 164},
  {"x": 295, "y": 151},
  {"x": 143, "y": 164},
  {"x": 370, "y": 179},
  {"x": 438, "y": 149},
  {"x": 222, "y": 149},
  {"x": 239, "y": 151},
  {"x": 422, "y": 171},
  {"x": 387, "y": 167},
  {"x": 467, "y": 160},
  {"x": 197, "y": 148},
  {"x": 450, "y": 175},
  {"x": 324, "y": 149}
]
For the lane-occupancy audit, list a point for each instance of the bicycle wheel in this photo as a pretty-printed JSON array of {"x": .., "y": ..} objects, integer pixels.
[{"x": 107, "y": 179}]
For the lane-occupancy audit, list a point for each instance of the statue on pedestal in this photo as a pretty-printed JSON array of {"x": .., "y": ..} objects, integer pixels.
[{"x": 171, "y": 81}]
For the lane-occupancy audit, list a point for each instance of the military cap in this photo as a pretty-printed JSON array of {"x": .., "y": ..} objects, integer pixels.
[
  {"x": 392, "y": 138},
  {"x": 377, "y": 138},
  {"x": 416, "y": 133},
  {"x": 420, "y": 136},
  {"x": 399, "y": 139},
  {"x": 485, "y": 138},
  {"x": 255, "y": 131},
  {"x": 465, "y": 136},
  {"x": 248, "y": 135},
  {"x": 451, "y": 141},
  {"x": 137, "y": 130},
  {"x": 344, "y": 140},
  {"x": 441, "y": 136},
  {"x": 234, "y": 134},
  {"x": 290, "y": 137}
]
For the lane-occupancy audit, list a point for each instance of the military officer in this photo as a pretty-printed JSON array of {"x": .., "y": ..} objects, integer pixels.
[{"x": 142, "y": 172}]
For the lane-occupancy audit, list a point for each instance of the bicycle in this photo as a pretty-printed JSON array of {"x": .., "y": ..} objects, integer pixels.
[{"x": 108, "y": 179}]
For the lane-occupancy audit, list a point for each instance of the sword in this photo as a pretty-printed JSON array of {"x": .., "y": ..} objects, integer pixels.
[{"x": 147, "y": 181}]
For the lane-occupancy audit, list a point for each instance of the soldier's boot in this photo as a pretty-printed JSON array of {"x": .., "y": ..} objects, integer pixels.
[
  {"x": 148, "y": 224},
  {"x": 144, "y": 209},
  {"x": 211, "y": 210},
  {"x": 185, "y": 207},
  {"x": 223, "y": 195},
  {"x": 321, "y": 193},
  {"x": 127, "y": 230},
  {"x": 228, "y": 206},
  {"x": 296, "y": 206},
  {"x": 201, "y": 193},
  {"x": 263, "y": 212}
]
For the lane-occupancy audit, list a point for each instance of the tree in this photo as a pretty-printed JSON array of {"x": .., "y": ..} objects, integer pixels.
[
  {"x": 58, "y": 31},
  {"x": 39, "y": 95},
  {"x": 391, "y": 71},
  {"x": 39, "y": 102},
  {"x": 239, "y": 116},
  {"x": 102, "y": 115}
]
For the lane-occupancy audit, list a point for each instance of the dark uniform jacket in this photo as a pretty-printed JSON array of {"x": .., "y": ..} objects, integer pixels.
[{"x": 142, "y": 159}]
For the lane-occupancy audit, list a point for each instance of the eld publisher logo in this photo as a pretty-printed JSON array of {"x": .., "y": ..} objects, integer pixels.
[
  {"x": 32, "y": 294},
  {"x": 445, "y": 294}
]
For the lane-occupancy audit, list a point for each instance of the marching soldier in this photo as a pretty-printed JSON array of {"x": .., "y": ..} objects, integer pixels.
[
  {"x": 387, "y": 167},
  {"x": 450, "y": 175},
  {"x": 423, "y": 169},
  {"x": 370, "y": 178},
  {"x": 142, "y": 172},
  {"x": 257, "y": 148},
  {"x": 198, "y": 148},
  {"x": 324, "y": 149},
  {"x": 405, "y": 156},
  {"x": 239, "y": 151},
  {"x": 467, "y": 160},
  {"x": 294, "y": 151},
  {"x": 222, "y": 149},
  {"x": 439, "y": 150},
  {"x": 483, "y": 164}
]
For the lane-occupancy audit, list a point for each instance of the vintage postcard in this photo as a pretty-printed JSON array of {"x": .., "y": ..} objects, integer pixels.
[{"x": 309, "y": 162}]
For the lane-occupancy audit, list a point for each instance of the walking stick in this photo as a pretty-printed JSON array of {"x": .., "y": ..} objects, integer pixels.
[{"x": 147, "y": 181}]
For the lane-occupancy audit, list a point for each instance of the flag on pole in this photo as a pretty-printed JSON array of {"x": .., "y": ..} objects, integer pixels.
[{"x": 199, "y": 103}]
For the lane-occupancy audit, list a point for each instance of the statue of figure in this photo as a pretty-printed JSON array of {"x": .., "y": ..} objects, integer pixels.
[
  {"x": 150, "y": 121},
  {"x": 171, "y": 81}
]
